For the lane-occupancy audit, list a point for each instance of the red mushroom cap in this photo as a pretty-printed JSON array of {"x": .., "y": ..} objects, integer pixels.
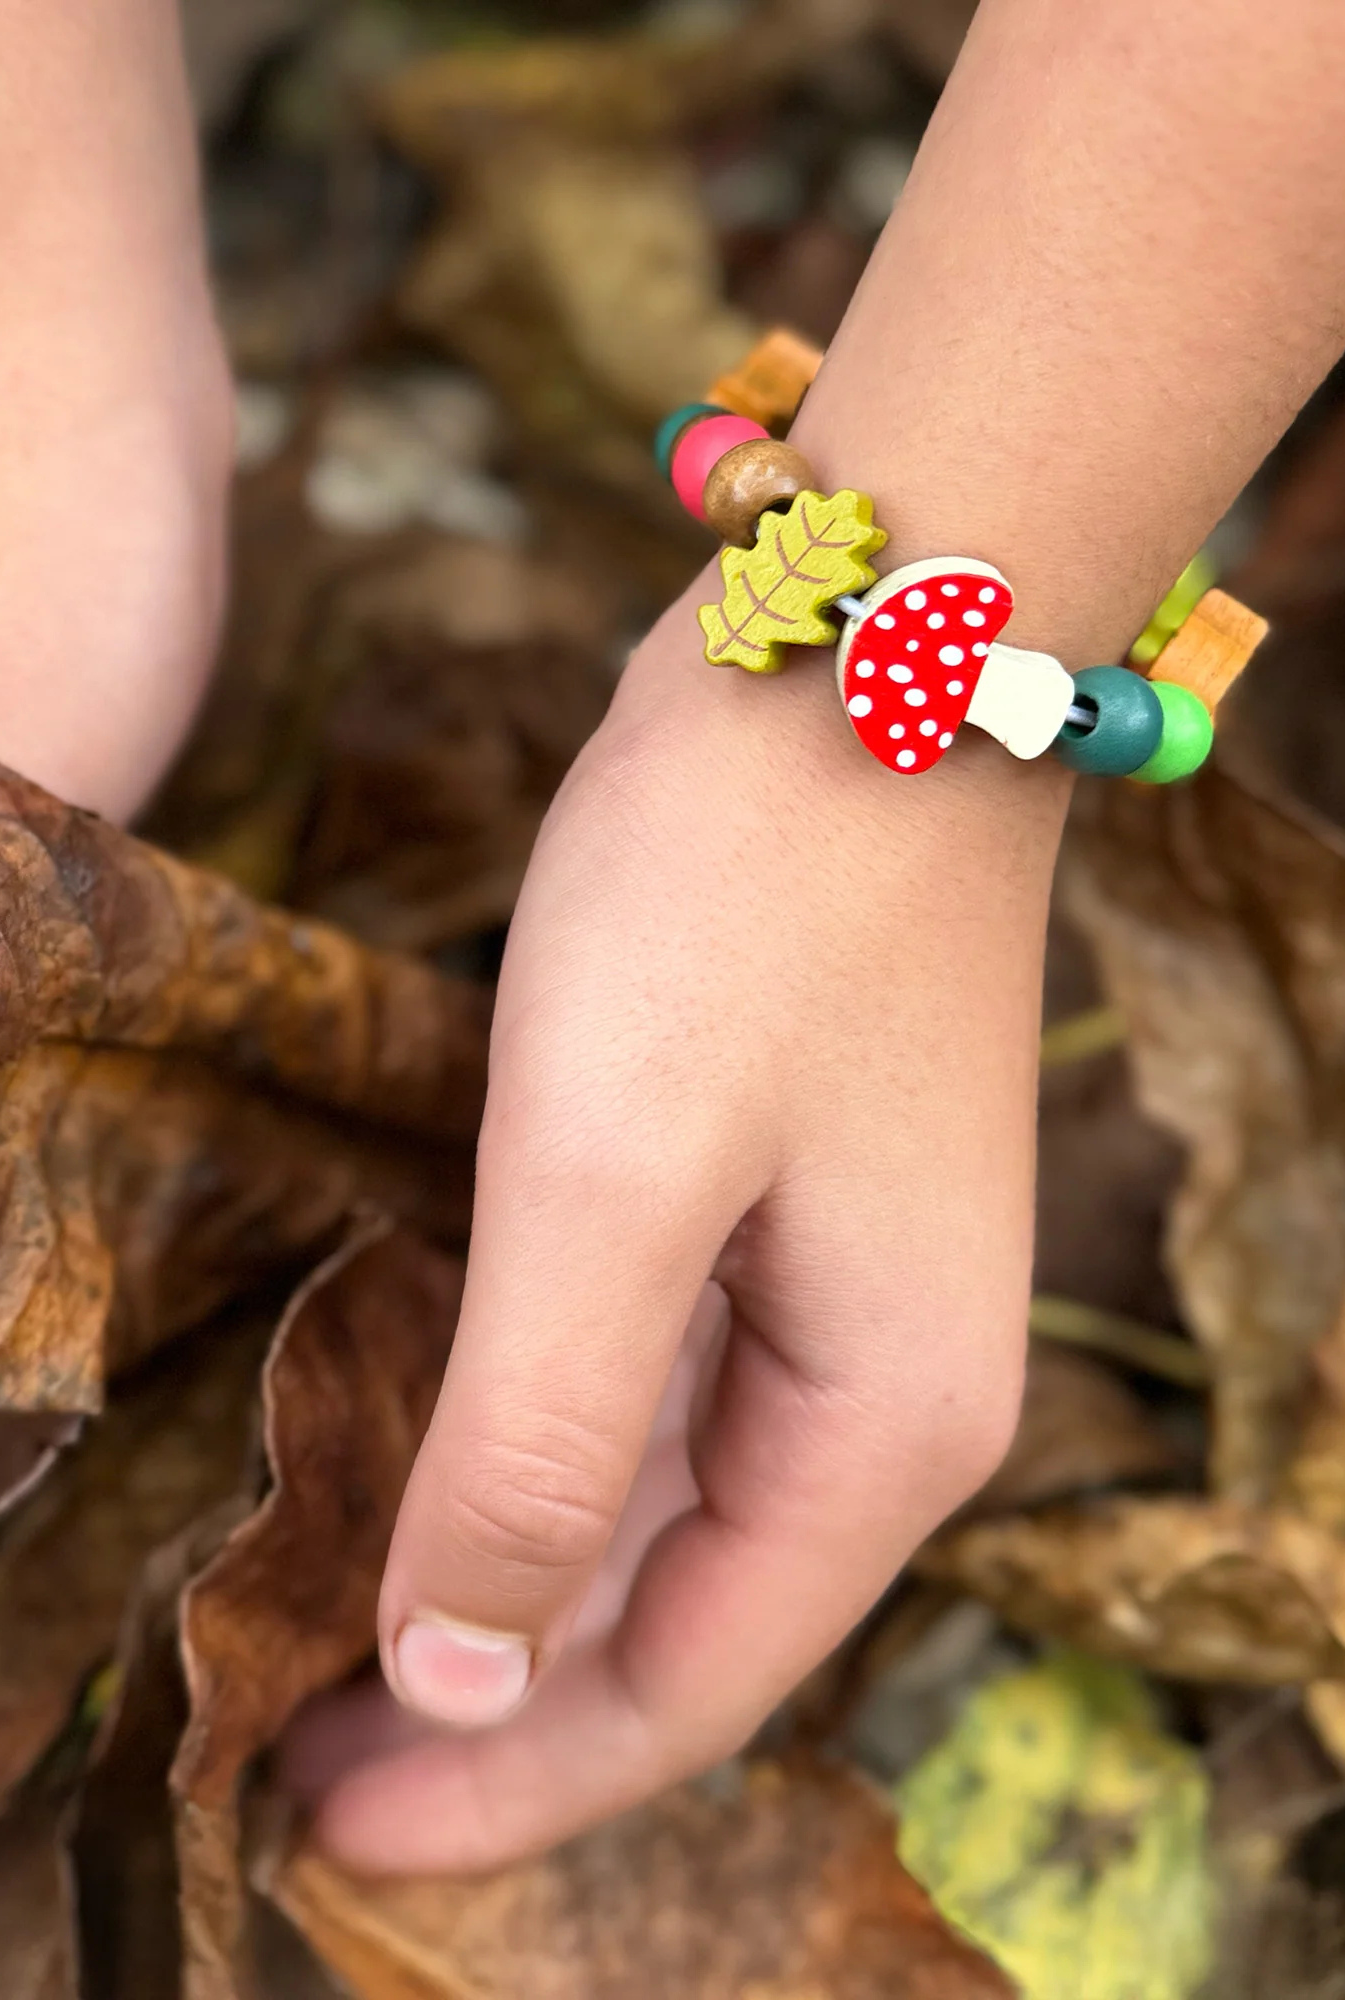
[{"x": 908, "y": 669}]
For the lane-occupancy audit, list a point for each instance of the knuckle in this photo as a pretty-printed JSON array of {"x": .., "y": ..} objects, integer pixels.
[
  {"x": 541, "y": 1506},
  {"x": 984, "y": 1428}
]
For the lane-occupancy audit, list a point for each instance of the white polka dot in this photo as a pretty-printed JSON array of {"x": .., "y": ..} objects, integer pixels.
[
  {"x": 936, "y": 619},
  {"x": 950, "y": 655},
  {"x": 980, "y": 650},
  {"x": 916, "y": 697},
  {"x": 928, "y": 728},
  {"x": 955, "y": 687},
  {"x": 912, "y": 645},
  {"x": 905, "y": 758},
  {"x": 973, "y": 617},
  {"x": 885, "y": 621},
  {"x": 948, "y": 589},
  {"x": 945, "y": 739},
  {"x": 916, "y": 600},
  {"x": 987, "y": 596},
  {"x": 900, "y": 673},
  {"x": 860, "y": 704},
  {"x": 865, "y": 670},
  {"x": 897, "y": 729}
]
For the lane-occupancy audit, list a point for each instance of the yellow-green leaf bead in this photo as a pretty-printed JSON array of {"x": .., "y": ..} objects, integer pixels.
[
  {"x": 1188, "y": 734},
  {"x": 1199, "y": 576}
]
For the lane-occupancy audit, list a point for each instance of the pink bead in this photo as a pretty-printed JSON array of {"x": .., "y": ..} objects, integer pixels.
[{"x": 699, "y": 450}]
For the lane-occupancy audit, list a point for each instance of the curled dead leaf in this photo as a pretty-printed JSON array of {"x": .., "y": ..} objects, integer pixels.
[
  {"x": 122, "y": 1827},
  {"x": 288, "y": 1605},
  {"x": 38, "y": 1957},
  {"x": 763, "y": 1883},
  {"x": 172, "y": 1442},
  {"x": 1201, "y": 1590}
]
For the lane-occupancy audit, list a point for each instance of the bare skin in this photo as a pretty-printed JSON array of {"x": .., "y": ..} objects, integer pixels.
[
  {"x": 115, "y": 403},
  {"x": 769, "y": 1015}
]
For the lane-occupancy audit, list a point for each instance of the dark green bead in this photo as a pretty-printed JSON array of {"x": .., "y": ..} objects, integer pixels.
[
  {"x": 1128, "y": 729},
  {"x": 668, "y": 432}
]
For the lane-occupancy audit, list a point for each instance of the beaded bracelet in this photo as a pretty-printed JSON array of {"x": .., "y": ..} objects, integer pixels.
[{"x": 918, "y": 651}]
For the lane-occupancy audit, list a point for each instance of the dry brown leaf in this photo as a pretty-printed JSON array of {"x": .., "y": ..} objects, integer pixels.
[
  {"x": 930, "y": 32},
  {"x": 38, "y": 1958},
  {"x": 216, "y": 1004},
  {"x": 760, "y": 1884},
  {"x": 1202, "y": 1590},
  {"x": 1215, "y": 916},
  {"x": 110, "y": 941},
  {"x": 577, "y": 270},
  {"x": 140, "y": 1193},
  {"x": 172, "y": 1442},
  {"x": 288, "y": 1605},
  {"x": 629, "y": 86},
  {"x": 580, "y": 279},
  {"x": 467, "y": 686},
  {"x": 392, "y": 713},
  {"x": 1080, "y": 1427}
]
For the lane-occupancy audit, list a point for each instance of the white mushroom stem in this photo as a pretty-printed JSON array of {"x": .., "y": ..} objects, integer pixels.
[{"x": 1021, "y": 699}]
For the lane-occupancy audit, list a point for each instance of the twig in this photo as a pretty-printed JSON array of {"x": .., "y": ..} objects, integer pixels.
[
  {"x": 1127, "y": 1340},
  {"x": 1091, "y": 1033}
]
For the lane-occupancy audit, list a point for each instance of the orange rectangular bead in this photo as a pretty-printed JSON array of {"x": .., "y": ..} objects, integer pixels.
[
  {"x": 768, "y": 384},
  {"x": 1211, "y": 648}
]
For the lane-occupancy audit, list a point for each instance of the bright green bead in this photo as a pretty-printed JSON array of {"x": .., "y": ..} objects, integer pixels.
[
  {"x": 668, "y": 432},
  {"x": 1188, "y": 733},
  {"x": 1128, "y": 729}
]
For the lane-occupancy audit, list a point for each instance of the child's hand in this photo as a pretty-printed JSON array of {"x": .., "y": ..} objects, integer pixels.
[{"x": 771, "y": 1013}]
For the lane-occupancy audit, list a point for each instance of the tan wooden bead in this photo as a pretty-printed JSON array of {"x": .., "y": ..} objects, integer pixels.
[{"x": 747, "y": 481}]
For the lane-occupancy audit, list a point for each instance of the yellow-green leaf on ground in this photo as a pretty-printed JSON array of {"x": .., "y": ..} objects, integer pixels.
[
  {"x": 1062, "y": 1830},
  {"x": 775, "y": 593}
]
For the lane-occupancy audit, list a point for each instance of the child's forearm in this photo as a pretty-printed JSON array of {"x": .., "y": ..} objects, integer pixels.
[
  {"x": 99, "y": 194},
  {"x": 1117, "y": 271},
  {"x": 115, "y": 406}
]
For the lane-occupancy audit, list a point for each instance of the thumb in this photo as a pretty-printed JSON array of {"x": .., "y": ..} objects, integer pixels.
[{"x": 578, "y": 1292}]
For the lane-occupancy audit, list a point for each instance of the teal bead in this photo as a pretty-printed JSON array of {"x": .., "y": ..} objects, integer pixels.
[
  {"x": 668, "y": 432},
  {"x": 1188, "y": 736},
  {"x": 1129, "y": 726}
]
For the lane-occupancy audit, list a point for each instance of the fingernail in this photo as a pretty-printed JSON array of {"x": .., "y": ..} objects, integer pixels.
[{"x": 460, "y": 1673}]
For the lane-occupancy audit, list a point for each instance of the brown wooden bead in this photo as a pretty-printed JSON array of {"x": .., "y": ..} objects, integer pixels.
[{"x": 749, "y": 479}]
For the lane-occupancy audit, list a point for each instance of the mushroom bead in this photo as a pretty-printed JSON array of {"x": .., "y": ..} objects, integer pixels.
[
  {"x": 1127, "y": 726},
  {"x": 747, "y": 482}
]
